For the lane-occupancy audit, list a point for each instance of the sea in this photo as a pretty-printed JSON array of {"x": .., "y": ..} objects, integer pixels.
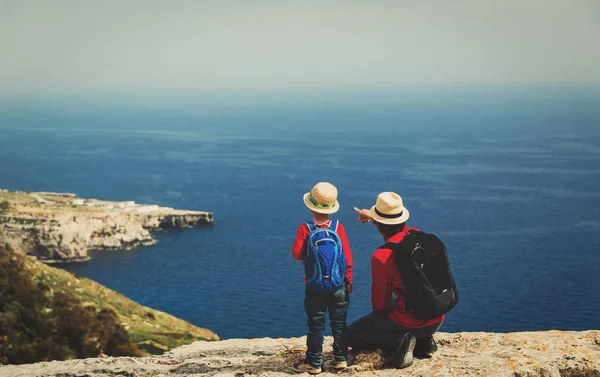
[{"x": 510, "y": 181}]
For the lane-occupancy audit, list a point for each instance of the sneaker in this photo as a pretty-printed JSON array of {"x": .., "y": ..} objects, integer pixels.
[
  {"x": 425, "y": 347},
  {"x": 338, "y": 364},
  {"x": 301, "y": 367},
  {"x": 404, "y": 354}
]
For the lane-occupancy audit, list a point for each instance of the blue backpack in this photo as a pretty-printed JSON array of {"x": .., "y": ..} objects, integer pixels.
[{"x": 324, "y": 261}]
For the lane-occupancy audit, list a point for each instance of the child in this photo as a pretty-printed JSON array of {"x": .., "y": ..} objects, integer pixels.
[{"x": 329, "y": 288}]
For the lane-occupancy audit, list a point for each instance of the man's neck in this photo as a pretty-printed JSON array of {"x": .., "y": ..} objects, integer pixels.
[{"x": 387, "y": 239}]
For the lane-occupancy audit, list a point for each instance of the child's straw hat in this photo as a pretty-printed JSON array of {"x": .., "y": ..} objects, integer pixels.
[{"x": 322, "y": 198}]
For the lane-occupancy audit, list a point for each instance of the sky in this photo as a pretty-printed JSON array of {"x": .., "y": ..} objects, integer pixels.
[{"x": 50, "y": 47}]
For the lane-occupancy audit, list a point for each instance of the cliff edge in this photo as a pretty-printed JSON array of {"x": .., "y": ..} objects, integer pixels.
[
  {"x": 525, "y": 354},
  {"x": 60, "y": 227}
]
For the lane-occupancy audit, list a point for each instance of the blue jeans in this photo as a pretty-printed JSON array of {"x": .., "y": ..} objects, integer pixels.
[
  {"x": 377, "y": 330},
  {"x": 315, "y": 305}
]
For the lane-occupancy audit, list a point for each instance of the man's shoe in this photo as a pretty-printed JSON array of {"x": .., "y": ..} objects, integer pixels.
[
  {"x": 425, "y": 347},
  {"x": 404, "y": 354},
  {"x": 301, "y": 367},
  {"x": 338, "y": 364}
]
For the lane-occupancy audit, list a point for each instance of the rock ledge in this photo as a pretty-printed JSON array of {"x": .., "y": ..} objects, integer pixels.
[{"x": 525, "y": 354}]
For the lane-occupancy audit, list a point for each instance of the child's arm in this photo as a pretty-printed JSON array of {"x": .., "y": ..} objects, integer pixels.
[
  {"x": 348, "y": 253},
  {"x": 298, "y": 248}
]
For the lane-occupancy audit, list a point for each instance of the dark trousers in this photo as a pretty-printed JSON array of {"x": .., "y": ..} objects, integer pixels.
[
  {"x": 315, "y": 305},
  {"x": 377, "y": 330}
]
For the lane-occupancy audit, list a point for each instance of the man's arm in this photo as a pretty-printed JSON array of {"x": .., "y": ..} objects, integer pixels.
[
  {"x": 364, "y": 215},
  {"x": 381, "y": 286},
  {"x": 298, "y": 248}
]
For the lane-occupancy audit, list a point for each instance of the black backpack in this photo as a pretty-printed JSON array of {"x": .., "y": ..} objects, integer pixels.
[{"x": 423, "y": 264}]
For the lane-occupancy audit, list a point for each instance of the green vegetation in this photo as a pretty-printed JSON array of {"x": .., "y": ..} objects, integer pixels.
[
  {"x": 4, "y": 206},
  {"x": 25, "y": 202},
  {"x": 47, "y": 313},
  {"x": 37, "y": 327}
]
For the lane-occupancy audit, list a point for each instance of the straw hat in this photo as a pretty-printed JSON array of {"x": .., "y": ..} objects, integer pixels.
[
  {"x": 389, "y": 209},
  {"x": 322, "y": 198}
]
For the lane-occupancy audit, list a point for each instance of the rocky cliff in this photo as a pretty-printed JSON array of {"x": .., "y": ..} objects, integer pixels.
[
  {"x": 527, "y": 354},
  {"x": 63, "y": 228}
]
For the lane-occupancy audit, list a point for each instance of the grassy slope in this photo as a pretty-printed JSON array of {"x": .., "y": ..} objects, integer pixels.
[{"x": 151, "y": 330}]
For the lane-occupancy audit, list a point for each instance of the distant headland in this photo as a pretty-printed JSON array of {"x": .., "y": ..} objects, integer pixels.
[{"x": 61, "y": 227}]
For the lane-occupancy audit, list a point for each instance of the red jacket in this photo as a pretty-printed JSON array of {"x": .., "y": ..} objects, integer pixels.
[
  {"x": 386, "y": 277},
  {"x": 298, "y": 249}
]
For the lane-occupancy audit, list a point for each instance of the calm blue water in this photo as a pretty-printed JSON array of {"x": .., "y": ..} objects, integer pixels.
[{"x": 512, "y": 186}]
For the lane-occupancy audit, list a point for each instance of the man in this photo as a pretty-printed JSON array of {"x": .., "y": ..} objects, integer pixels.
[{"x": 391, "y": 326}]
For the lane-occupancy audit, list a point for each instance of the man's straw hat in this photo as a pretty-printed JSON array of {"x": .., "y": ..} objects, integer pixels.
[
  {"x": 389, "y": 209},
  {"x": 322, "y": 198}
]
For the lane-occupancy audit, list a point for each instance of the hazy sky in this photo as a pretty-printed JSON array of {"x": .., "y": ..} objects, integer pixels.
[{"x": 54, "y": 46}]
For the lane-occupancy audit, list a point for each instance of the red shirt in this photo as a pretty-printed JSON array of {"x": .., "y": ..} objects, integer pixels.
[
  {"x": 302, "y": 234},
  {"x": 386, "y": 277}
]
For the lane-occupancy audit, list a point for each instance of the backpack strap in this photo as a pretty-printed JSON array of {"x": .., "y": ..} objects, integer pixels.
[
  {"x": 389, "y": 245},
  {"x": 334, "y": 225},
  {"x": 311, "y": 226},
  {"x": 394, "y": 246}
]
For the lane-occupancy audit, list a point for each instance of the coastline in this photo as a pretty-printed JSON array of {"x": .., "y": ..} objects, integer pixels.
[{"x": 63, "y": 228}]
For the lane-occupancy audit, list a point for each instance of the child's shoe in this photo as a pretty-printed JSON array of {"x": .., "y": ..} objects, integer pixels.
[
  {"x": 301, "y": 367},
  {"x": 338, "y": 364}
]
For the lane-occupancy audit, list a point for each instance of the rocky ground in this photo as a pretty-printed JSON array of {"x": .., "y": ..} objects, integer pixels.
[
  {"x": 63, "y": 228},
  {"x": 526, "y": 354}
]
